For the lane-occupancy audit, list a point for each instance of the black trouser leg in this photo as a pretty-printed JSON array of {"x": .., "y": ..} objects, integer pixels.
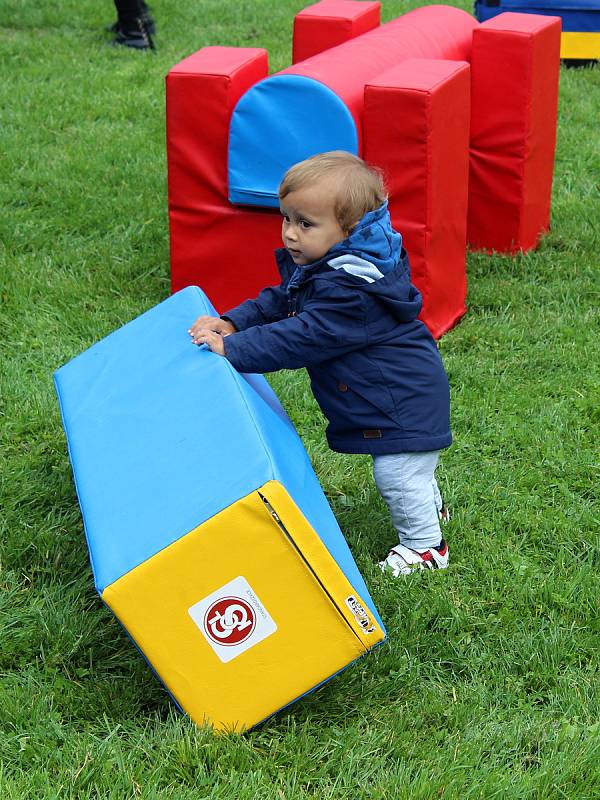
[{"x": 129, "y": 11}]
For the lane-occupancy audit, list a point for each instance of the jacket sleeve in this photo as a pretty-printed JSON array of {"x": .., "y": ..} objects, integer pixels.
[
  {"x": 325, "y": 329},
  {"x": 270, "y": 305}
]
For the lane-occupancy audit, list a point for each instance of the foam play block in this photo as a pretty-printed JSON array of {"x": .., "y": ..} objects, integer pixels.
[
  {"x": 580, "y": 38},
  {"x": 202, "y": 91},
  {"x": 209, "y": 535},
  {"x": 416, "y": 126},
  {"x": 513, "y": 130},
  {"x": 230, "y": 272},
  {"x": 273, "y": 124},
  {"x": 223, "y": 200},
  {"x": 329, "y": 23}
]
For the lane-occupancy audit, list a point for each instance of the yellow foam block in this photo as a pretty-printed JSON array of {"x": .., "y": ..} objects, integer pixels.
[
  {"x": 244, "y": 614},
  {"x": 579, "y": 45}
]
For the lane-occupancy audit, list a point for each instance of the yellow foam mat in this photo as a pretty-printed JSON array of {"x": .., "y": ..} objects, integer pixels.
[
  {"x": 580, "y": 45},
  {"x": 245, "y": 613}
]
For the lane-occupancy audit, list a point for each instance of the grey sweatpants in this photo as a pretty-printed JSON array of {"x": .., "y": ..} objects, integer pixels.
[{"x": 406, "y": 481}]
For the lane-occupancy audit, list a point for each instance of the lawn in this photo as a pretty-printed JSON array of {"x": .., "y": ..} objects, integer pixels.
[{"x": 489, "y": 684}]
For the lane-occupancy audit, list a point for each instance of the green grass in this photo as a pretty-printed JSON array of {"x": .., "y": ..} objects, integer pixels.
[{"x": 489, "y": 684}]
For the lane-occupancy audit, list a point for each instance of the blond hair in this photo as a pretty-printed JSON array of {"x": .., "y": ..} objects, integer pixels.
[{"x": 359, "y": 187}]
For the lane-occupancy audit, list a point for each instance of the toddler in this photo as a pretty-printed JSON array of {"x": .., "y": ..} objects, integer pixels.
[{"x": 347, "y": 311}]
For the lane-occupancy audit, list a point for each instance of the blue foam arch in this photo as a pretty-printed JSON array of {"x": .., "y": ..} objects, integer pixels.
[{"x": 278, "y": 122}]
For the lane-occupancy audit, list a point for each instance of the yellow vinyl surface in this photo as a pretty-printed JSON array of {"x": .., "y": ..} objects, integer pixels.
[
  {"x": 282, "y": 581},
  {"x": 580, "y": 45}
]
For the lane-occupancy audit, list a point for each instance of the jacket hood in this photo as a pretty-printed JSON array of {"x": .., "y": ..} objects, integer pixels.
[{"x": 372, "y": 239}]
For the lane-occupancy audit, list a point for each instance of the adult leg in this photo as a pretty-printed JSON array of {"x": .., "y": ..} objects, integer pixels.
[{"x": 135, "y": 26}]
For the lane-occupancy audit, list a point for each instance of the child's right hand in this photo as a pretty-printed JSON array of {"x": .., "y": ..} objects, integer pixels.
[{"x": 215, "y": 324}]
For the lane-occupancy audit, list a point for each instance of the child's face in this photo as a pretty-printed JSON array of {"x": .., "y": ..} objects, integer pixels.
[{"x": 310, "y": 226}]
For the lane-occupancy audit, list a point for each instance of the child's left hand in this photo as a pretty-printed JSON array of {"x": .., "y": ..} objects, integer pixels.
[{"x": 210, "y": 338}]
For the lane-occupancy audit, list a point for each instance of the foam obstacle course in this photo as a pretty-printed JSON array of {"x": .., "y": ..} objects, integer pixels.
[
  {"x": 460, "y": 116},
  {"x": 580, "y": 40},
  {"x": 209, "y": 535}
]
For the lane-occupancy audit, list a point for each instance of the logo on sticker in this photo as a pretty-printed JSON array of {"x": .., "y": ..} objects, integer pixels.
[
  {"x": 360, "y": 614},
  {"x": 229, "y": 621},
  {"x": 232, "y": 619}
]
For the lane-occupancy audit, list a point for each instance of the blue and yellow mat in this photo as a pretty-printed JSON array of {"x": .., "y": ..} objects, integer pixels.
[{"x": 209, "y": 535}]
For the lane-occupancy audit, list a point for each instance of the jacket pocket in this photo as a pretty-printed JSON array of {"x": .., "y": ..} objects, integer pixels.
[
  {"x": 376, "y": 395},
  {"x": 350, "y": 403}
]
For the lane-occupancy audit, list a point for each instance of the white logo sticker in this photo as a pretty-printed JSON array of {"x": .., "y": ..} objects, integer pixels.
[
  {"x": 360, "y": 614},
  {"x": 232, "y": 619}
]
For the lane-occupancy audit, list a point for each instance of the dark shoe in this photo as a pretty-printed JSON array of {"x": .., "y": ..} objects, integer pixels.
[
  {"x": 137, "y": 39},
  {"x": 146, "y": 19}
]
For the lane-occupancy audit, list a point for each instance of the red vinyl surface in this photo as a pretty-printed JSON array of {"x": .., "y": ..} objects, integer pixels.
[
  {"x": 202, "y": 91},
  {"x": 329, "y": 23},
  {"x": 513, "y": 130},
  {"x": 417, "y": 130},
  {"x": 225, "y": 250}
]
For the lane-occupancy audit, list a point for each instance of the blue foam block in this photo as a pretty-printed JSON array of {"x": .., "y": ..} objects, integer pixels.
[{"x": 163, "y": 435}]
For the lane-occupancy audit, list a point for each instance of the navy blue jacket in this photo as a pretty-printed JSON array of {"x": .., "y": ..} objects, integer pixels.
[{"x": 375, "y": 369}]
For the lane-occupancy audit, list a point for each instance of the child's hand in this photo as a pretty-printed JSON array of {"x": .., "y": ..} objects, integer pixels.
[
  {"x": 215, "y": 324},
  {"x": 210, "y": 338}
]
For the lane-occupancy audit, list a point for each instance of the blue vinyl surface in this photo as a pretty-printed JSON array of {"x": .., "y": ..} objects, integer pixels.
[
  {"x": 578, "y": 16},
  {"x": 163, "y": 435},
  {"x": 278, "y": 122}
]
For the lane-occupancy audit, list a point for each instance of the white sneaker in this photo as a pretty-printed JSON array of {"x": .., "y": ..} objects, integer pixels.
[{"x": 402, "y": 560}]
